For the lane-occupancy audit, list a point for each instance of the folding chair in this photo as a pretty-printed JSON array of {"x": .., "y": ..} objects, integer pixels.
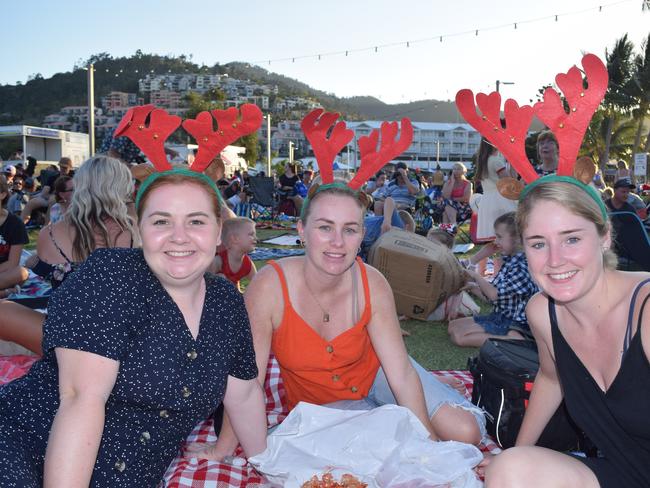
[
  {"x": 263, "y": 188},
  {"x": 631, "y": 241}
]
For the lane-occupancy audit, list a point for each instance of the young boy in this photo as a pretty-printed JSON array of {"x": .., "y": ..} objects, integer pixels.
[
  {"x": 510, "y": 291},
  {"x": 238, "y": 238}
]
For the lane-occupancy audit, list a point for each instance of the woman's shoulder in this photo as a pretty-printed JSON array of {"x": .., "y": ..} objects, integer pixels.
[
  {"x": 377, "y": 282},
  {"x": 117, "y": 260},
  {"x": 537, "y": 311},
  {"x": 268, "y": 276}
]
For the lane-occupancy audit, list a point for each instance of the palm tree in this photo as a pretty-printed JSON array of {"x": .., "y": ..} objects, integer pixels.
[
  {"x": 639, "y": 88},
  {"x": 621, "y": 135},
  {"x": 617, "y": 100}
]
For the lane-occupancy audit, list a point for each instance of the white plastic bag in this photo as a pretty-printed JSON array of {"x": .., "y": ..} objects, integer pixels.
[{"x": 384, "y": 447}]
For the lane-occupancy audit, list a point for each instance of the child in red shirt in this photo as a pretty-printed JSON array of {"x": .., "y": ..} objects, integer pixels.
[{"x": 238, "y": 238}]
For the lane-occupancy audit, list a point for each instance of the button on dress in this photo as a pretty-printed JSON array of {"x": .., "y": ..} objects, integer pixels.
[{"x": 167, "y": 381}]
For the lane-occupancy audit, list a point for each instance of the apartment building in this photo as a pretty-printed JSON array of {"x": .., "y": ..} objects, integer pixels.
[{"x": 432, "y": 141}]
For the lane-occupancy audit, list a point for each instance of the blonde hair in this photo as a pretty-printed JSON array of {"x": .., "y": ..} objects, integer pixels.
[
  {"x": 573, "y": 199},
  {"x": 102, "y": 186},
  {"x": 232, "y": 226},
  {"x": 460, "y": 166}
]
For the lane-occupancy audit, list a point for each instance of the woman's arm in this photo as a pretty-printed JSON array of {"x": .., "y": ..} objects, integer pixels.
[
  {"x": 467, "y": 194},
  {"x": 259, "y": 299},
  {"x": 546, "y": 395},
  {"x": 13, "y": 260},
  {"x": 244, "y": 405},
  {"x": 448, "y": 187},
  {"x": 487, "y": 288},
  {"x": 85, "y": 382},
  {"x": 386, "y": 337}
]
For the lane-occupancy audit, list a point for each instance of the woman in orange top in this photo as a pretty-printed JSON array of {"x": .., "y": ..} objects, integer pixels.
[{"x": 330, "y": 321}]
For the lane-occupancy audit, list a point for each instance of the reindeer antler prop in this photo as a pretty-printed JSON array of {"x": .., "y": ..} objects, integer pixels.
[
  {"x": 511, "y": 139},
  {"x": 151, "y": 137},
  {"x": 325, "y": 149},
  {"x": 373, "y": 159},
  {"x": 318, "y": 123},
  {"x": 230, "y": 128},
  {"x": 569, "y": 128}
]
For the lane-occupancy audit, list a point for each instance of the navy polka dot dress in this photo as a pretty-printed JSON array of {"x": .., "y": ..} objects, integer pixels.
[{"x": 167, "y": 381}]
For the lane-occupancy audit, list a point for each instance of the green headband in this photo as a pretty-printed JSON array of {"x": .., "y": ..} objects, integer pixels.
[
  {"x": 336, "y": 184},
  {"x": 176, "y": 171},
  {"x": 590, "y": 190}
]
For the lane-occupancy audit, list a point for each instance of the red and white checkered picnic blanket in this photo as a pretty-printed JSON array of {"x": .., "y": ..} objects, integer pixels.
[{"x": 200, "y": 473}]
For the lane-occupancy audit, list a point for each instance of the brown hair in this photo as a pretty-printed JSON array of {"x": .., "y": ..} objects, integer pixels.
[
  {"x": 179, "y": 179},
  {"x": 60, "y": 185},
  {"x": 574, "y": 200},
  {"x": 485, "y": 150},
  {"x": 509, "y": 220}
]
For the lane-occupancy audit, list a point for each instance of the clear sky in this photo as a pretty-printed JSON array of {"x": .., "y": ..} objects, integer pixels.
[{"x": 45, "y": 36}]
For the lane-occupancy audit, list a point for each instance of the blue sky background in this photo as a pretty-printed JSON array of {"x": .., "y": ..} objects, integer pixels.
[{"x": 44, "y": 36}]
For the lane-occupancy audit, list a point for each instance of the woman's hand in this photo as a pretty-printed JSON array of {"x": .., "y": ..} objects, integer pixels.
[
  {"x": 480, "y": 467},
  {"x": 455, "y": 383},
  {"x": 213, "y": 451}
]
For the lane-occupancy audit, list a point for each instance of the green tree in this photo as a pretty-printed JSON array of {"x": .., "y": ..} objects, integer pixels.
[
  {"x": 621, "y": 131},
  {"x": 252, "y": 146},
  {"x": 639, "y": 88},
  {"x": 617, "y": 98},
  {"x": 210, "y": 100}
]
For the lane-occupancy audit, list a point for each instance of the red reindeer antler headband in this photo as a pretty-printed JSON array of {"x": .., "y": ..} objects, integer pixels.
[
  {"x": 569, "y": 127},
  {"x": 317, "y": 123},
  {"x": 151, "y": 137}
]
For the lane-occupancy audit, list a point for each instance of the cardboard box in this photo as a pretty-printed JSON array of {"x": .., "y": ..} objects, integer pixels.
[{"x": 421, "y": 273}]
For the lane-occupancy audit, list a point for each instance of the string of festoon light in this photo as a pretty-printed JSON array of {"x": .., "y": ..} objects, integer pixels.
[
  {"x": 376, "y": 48},
  {"x": 645, "y": 5}
]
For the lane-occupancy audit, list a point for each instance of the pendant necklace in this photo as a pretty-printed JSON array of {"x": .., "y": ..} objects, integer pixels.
[{"x": 326, "y": 315}]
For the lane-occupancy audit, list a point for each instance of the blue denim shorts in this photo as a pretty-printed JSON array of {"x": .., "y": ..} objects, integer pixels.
[
  {"x": 436, "y": 394},
  {"x": 496, "y": 323}
]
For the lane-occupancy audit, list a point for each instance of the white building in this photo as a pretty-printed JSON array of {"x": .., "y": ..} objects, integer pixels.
[{"x": 432, "y": 142}]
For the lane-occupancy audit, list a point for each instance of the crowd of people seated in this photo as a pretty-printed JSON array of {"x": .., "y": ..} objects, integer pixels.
[{"x": 355, "y": 359}]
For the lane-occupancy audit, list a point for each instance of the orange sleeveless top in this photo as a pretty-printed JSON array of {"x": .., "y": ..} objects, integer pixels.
[{"x": 318, "y": 371}]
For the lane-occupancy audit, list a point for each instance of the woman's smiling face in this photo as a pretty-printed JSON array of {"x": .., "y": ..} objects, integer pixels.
[
  {"x": 333, "y": 232},
  {"x": 179, "y": 233},
  {"x": 564, "y": 251}
]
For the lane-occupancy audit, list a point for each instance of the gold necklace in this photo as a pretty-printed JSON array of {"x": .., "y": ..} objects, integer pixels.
[{"x": 326, "y": 315}]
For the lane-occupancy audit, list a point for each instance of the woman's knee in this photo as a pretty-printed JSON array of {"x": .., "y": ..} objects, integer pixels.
[
  {"x": 456, "y": 336},
  {"x": 509, "y": 469},
  {"x": 453, "y": 423}
]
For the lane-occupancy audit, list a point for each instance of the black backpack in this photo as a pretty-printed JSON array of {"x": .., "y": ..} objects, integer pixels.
[{"x": 504, "y": 371}]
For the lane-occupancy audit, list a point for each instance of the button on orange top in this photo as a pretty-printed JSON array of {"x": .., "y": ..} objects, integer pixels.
[{"x": 309, "y": 363}]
